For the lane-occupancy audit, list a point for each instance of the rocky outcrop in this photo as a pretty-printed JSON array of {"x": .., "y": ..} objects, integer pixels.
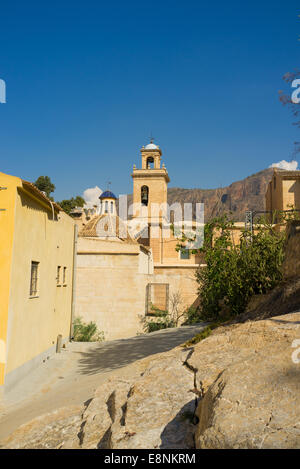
[
  {"x": 152, "y": 408},
  {"x": 251, "y": 386},
  {"x": 239, "y": 388}
]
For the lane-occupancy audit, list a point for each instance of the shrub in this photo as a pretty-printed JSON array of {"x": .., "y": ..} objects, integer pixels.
[
  {"x": 84, "y": 332},
  {"x": 234, "y": 273},
  {"x": 152, "y": 326},
  {"x": 163, "y": 320},
  {"x": 191, "y": 316}
]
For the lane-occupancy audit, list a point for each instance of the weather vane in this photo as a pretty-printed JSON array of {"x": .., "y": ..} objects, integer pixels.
[
  {"x": 151, "y": 138},
  {"x": 108, "y": 184}
]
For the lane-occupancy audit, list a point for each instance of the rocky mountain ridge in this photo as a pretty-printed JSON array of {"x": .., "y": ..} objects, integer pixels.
[{"x": 247, "y": 194}]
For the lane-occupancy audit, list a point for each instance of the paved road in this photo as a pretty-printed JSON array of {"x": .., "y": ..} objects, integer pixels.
[{"x": 72, "y": 376}]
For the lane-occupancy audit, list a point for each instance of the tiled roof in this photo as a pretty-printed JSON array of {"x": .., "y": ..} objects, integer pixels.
[
  {"x": 107, "y": 195},
  {"x": 32, "y": 188},
  {"x": 106, "y": 226}
]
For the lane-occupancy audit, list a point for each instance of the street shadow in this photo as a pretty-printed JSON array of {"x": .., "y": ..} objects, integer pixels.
[
  {"x": 283, "y": 321},
  {"x": 108, "y": 356}
]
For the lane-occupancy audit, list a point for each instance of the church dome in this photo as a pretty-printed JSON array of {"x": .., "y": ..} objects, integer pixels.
[
  {"x": 107, "y": 195},
  {"x": 151, "y": 146}
]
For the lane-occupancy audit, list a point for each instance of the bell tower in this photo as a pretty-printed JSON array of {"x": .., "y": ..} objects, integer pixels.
[{"x": 150, "y": 185}]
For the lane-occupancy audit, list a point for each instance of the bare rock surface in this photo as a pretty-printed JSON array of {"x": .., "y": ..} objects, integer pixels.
[
  {"x": 238, "y": 388},
  {"x": 252, "y": 388}
]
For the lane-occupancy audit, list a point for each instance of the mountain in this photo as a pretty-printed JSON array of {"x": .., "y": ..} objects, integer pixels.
[{"x": 247, "y": 194}]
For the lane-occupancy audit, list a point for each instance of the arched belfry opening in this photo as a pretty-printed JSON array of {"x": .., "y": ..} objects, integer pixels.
[
  {"x": 145, "y": 195},
  {"x": 150, "y": 162}
]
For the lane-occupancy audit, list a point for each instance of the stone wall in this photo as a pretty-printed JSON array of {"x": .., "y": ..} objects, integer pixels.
[
  {"x": 110, "y": 286},
  {"x": 180, "y": 279}
]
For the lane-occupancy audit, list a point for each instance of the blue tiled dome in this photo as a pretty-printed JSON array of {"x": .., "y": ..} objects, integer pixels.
[{"x": 107, "y": 195}]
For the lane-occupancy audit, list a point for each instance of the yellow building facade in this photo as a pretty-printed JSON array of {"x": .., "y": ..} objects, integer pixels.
[
  {"x": 283, "y": 191},
  {"x": 37, "y": 242}
]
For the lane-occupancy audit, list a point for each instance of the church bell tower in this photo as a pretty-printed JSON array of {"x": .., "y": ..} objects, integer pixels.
[{"x": 150, "y": 184}]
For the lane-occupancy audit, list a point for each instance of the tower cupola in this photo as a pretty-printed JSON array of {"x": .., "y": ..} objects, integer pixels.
[
  {"x": 151, "y": 156},
  {"x": 107, "y": 203}
]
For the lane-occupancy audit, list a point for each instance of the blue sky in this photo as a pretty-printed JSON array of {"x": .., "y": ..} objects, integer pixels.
[{"x": 87, "y": 82}]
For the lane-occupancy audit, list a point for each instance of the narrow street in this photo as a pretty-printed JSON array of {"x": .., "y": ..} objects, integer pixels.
[{"x": 71, "y": 377}]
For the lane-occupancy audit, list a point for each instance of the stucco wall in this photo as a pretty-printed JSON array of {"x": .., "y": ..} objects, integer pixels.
[
  {"x": 7, "y": 220},
  {"x": 35, "y": 322},
  {"x": 180, "y": 279}
]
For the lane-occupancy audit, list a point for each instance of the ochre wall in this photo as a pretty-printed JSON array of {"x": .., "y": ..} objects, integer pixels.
[
  {"x": 34, "y": 323},
  {"x": 180, "y": 279},
  {"x": 155, "y": 180},
  {"x": 283, "y": 191},
  {"x": 169, "y": 255},
  {"x": 7, "y": 220},
  {"x": 291, "y": 194}
]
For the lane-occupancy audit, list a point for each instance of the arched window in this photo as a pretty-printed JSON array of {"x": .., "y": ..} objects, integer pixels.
[
  {"x": 111, "y": 207},
  {"x": 144, "y": 195},
  {"x": 106, "y": 206},
  {"x": 150, "y": 162}
]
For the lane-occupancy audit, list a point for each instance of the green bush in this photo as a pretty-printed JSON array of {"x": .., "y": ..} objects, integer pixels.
[
  {"x": 152, "y": 326},
  {"x": 191, "y": 316},
  {"x": 234, "y": 273},
  {"x": 163, "y": 320},
  {"x": 84, "y": 332}
]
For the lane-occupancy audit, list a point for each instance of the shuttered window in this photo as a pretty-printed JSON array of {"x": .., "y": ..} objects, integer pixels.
[{"x": 34, "y": 278}]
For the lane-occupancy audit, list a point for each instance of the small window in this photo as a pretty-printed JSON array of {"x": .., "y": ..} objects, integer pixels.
[
  {"x": 58, "y": 275},
  {"x": 112, "y": 207},
  {"x": 65, "y": 275},
  {"x": 184, "y": 254},
  {"x": 106, "y": 206},
  {"x": 34, "y": 278}
]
